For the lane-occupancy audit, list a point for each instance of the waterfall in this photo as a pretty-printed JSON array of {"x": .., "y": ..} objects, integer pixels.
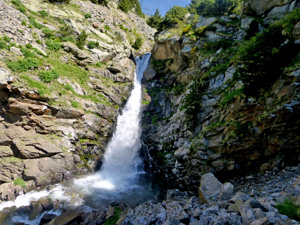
[
  {"x": 117, "y": 179},
  {"x": 121, "y": 164}
]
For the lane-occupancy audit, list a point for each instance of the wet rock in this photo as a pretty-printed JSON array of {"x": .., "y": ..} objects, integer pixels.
[{"x": 66, "y": 218}]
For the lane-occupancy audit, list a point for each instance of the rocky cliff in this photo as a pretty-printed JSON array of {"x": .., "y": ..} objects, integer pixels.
[
  {"x": 205, "y": 115},
  {"x": 65, "y": 72}
]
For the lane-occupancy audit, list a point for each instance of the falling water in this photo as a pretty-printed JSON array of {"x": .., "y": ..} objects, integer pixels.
[{"x": 119, "y": 177}]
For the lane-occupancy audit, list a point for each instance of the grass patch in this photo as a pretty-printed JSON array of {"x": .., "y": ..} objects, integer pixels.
[
  {"x": 20, "y": 182},
  {"x": 42, "y": 88},
  {"x": 48, "y": 76},
  {"x": 23, "y": 65},
  {"x": 290, "y": 209},
  {"x": 228, "y": 97},
  {"x": 75, "y": 104},
  {"x": 53, "y": 45}
]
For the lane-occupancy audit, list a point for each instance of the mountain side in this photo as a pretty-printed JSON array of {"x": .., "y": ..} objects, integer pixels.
[{"x": 66, "y": 70}]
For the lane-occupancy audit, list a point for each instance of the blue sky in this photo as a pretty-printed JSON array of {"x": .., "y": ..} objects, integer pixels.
[{"x": 149, "y": 6}]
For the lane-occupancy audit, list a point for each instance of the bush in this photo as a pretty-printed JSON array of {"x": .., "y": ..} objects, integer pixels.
[
  {"x": 27, "y": 53},
  {"x": 20, "y": 182},
  {"x": 48, "y": 76},
  {"x": 43, "y": 13},
  {"x": 59, "y": 1},
  {"x": 3, "y": 44},
  {"x": 175, "y": 15},
  {"x": 93, "y": 44},
  {"x": 155, "y": 20},
  {"x": 213, "y": 7},
  {"x": 260, "y": 60},
  {"x": 88, "y": 15},
  {"x": 126, "y": 5},
  {"x": 7, "y": 39},
  {"x": 75, "y": 104},
  {"x": 34, "y": 23},
  {"x": 53, "y": 45},
  {"x": 138, "y": 43},
  {"x": 80, "y": 42},
  {"x": 23, "y": 65},
  {"x": 100, "y": 2},
  {"x": 289, "y": 21}
]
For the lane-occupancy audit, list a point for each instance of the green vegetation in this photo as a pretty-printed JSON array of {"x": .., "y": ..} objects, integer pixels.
[
  {"x": 100, "y": 2},
  {"x": 289, "y": 21},
  {"x": 19, "y": 5},
  {"x": 43, "y": 13},
  {"x": 127, "y": 5},
  {"x": 48, "y": 76},
  {"x": 81, "y": 39},
  {"x": 155, "y": 20},
  {"x": 212, "y": 7},
  {"x": 138, "y": 43},
  {"x": 88, "y": 15},
  {"x": 92, "y": 44},
  {"x": 20, "y": 182},
  {"x": 23, "y": 64},
  {"x": 114, "y": 219},
  {"x": 261, "y": 58},
  {"x": 59, "y": 1},
  {"x": 290, "y": 209},
  {"x": 174, "y": 16},
  {"x": 53, "y": 45},
  {"x": 75, "y": 104},
  {"x": 34, "y": 23},
  {"x": 228, "y": 97},
  {"x": 42, "y": 88}
]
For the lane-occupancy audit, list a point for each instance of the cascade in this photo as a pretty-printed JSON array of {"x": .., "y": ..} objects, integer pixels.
[{"x": 119, "y": 177}]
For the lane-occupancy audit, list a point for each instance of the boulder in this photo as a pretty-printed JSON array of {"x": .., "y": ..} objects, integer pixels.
[
  {"x": 210, "y": 187},
  {"x": 262, "y": 7},
  {"x": 79, "y": 54},
  {"x": 10, "y": 170},
  {"x": 5, "y": 78},
  {"x": 227, "y": 191},
  {"x": 47, "y": 170},
  {"x": 30, "y": 148},
  {"x": 204, "y": 21},
  {"x": 175, "y": 211}
]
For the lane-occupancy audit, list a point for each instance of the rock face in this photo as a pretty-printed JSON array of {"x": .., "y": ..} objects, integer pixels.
[
  {"x": 54, "y": 130},
  {"x": 246, "y": 135}
]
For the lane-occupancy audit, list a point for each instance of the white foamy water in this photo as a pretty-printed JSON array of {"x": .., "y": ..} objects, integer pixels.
[
  {"x": 121, "y": 162},
  {"x": 121, "y": 166}
]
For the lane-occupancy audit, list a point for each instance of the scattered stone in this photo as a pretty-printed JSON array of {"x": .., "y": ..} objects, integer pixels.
[{"x": 210, "y": 187}]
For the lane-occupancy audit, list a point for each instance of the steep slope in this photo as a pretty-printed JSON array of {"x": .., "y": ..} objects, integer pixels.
[
  {"x": 222, "y": 102},
  {"x": 65, "y": 69}
]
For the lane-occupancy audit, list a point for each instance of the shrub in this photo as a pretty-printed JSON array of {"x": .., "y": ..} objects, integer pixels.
[
  {"x": 23, "y": 65},
  {"x": 43, "y": 13},
  {"x": 20, "y": 182},
  {"x": 138, "y": 43},
  {"x": 7, "y": 39},
  {"x": 75, "y": 104},
  {"x": 48, "y": 76},
  {"x": 48, "y": 33},
  {"x": 88, "y": 15},
  {"x": 261, "y": 59},
  {"x": 34, "y": 23},
  {"x": 3, "y": 44},
  {"x": 27, "y": 53},
  {"x": 175, "y": 15},
  {"x": 100, "y": 2},
  {"x": 155, "y": 20},
  {"x": 289, "y": 21},
  {"x": 53, "y": 45},
  {"x": 80, "y": 42},
  {"x": 93, "y": 44},
  {"x": 212, "y": 7}
]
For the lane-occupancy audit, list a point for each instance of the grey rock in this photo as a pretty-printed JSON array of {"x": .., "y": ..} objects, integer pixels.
[
  {"x": 227, "y": 191},
  {"x": 16, "y": 51},
  {"x": 210, "y": 187},
  {"x": 204, "y": 21},
  {"x": 175, "y": 211}
]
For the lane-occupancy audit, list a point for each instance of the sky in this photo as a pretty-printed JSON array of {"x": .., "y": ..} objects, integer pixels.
[{"x": 149, "y": 6}]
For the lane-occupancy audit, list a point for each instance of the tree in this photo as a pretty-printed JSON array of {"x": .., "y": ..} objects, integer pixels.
[
  {"x": 213, "y": 7},
  {"x": 155, "y": 20},
  {"x": 175, "y": 15}
]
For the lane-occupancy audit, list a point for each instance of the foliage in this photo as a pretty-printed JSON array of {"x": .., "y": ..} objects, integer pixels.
[
  {"x": 88, "y": 15},
  {"x": 53, "y": 45},
  {"x": 160, "y": 64},
  {"x": 48, "y": 33},
  {"x": 290, "y": 209},
  {"x": 7, "y": 39},
  {"x": 59, "y": 1},
  {"x": 289, "y": 21},
  {"x": 138, "y": 43},
  {"x": 260, "y": 60},
  {"x": 228, "y": 97},
  {"x": 23, "y": 65},
  {"x": 100, "y": 2},
  {"x": 175, "y": 15},
  {"x": 75, "y": 104},
  {"x": 34, "y": 23},
  {"x": 19, "y": 5},
  {"x": 213, "y": 46},
  {"x": 81, "y": 39},
  {"x": 3, "y": 44},
  {"x": 127, "y": 5},
  {"x": 48, "y": 76},
  {"x": 155, "y": 20},
  {"x": 192, "y": 101},
  {"x": 114, "y": 219},
  {"x": 20, "y": 182},
  {"x": 93, "y": 44},
  {"x": 212, "y": 7},
  {"x": 43, "y": 13},
  {"x": 42, "y": 89},
  {"x": 27, "y": 53}
]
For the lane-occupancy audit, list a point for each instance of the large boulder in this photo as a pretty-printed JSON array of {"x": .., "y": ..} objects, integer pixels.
[
  {"x": 210, "y": 187},
  {"x": 263, "y": 7}
]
